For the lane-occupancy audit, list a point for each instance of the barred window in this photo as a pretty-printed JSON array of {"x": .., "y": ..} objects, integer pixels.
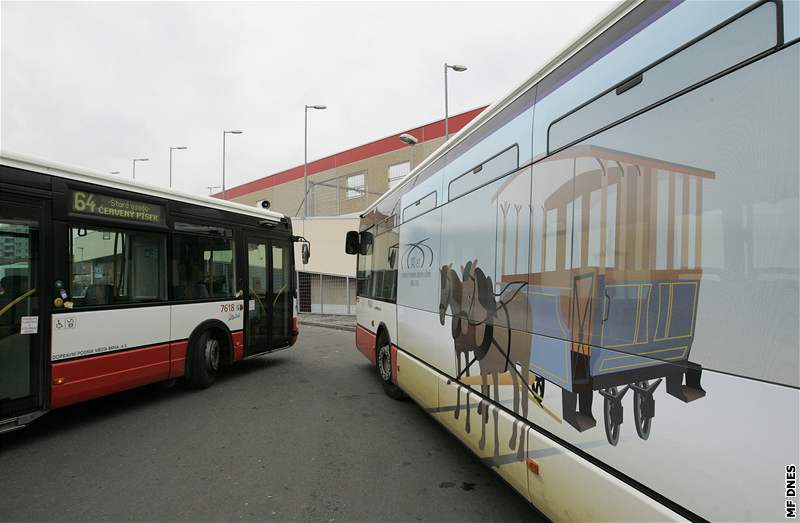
[
  {"x": 397, "y": 172},
  {"x": 356, "y": 185}
]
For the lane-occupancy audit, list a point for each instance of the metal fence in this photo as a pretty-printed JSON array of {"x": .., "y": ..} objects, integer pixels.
[
  {"x": 331, "y": 196},
  {"x": 326, "y": 294}
]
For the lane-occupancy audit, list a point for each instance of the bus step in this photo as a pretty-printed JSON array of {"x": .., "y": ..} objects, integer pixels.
[
  {"x": 7, "y": 425},
  {"x": 690, "y": 391},
  {"x": 581, "y": 419}
]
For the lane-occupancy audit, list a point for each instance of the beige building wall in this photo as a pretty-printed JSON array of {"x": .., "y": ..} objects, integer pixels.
[
  {"x": 326, "y": 235},
  {"x": 327, "y": 281},
  {"x": 331, "y": 198}
]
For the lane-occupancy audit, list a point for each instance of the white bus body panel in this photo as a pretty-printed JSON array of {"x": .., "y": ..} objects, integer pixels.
[
  {"x": 78, "y": 334},
  {"x": 564, "y": 486},
  {"x": 86, "y": 333},
  {"x": 372, "y": 314},
  {"x": 186, "y": 317}
]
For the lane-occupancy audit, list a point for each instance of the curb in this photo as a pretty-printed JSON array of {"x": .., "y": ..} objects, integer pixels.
[{"x": 328, "y": 326}]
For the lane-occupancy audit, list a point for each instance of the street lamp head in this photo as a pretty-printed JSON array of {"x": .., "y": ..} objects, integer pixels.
[
  {"x": 458, "y": 68},
  {"x": 178, "y": 148},
  {"x": 233, "y": 132},
  {"x": 114, "y": 172},
  {"x": 408, "y": 139},
  {"x": 320, "y": 107},
  {"x": 140, "y": 159}
]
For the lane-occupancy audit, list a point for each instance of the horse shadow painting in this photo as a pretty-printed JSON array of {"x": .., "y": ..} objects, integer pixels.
[{"x": 486, "y": 345}]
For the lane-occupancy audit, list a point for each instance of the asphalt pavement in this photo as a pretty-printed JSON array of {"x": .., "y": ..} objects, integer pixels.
[
  {"x": 300, "y": 435},
  {"x": 333, "y": 321}
]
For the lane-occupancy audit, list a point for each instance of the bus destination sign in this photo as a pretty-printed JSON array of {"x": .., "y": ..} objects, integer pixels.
[{"x": 112, "y": 207}]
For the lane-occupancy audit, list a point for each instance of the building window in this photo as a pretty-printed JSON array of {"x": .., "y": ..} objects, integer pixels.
[
  {"x": 397, "y": 172},
  {"x": 356, "y": 185},
  {"x": 109, "y": 267}
]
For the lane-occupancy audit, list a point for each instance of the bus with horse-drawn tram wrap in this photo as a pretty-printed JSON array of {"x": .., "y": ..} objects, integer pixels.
[
  {"x": 106, "y": 285},
  {"x": 594, "y": 285}
]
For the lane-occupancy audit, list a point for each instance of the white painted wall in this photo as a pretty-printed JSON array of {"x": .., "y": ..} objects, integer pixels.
[{"x": 326, "y": 235}]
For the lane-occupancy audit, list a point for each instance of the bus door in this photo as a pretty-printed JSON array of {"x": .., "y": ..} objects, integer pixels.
[
  {"x": 281, "y": 297},
  {"x": 269, "y": 311},
  {"x": 22, "y": 319}
]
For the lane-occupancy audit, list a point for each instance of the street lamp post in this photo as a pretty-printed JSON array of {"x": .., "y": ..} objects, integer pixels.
[
  {"x": 170, "y": 162},
  {"x": 410, "y": 141},
  {"x": 134, "y": 164},
  {"x": 458, "y": 69},
  {"x": 305, "y": 157},
  {"x": 223, "y": 158}
]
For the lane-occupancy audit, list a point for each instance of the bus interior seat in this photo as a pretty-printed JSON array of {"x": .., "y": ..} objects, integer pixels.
[
  {"x": 191, "y": 292},
  {"x": 199, "y": 290}
]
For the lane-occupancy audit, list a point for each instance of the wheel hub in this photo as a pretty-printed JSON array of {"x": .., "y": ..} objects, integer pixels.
[
  {"x": 212, "y": 354},
  {"x": 385, "y": 362}
]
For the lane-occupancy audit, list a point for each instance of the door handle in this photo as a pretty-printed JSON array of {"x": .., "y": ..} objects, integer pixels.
[{"x": 606, "y": 306}]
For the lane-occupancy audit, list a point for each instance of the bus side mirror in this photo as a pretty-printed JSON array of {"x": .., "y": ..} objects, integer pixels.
[
  {"x": 351, "y": 242},
  {"x": 365, "y": 243},
  {"x": 306, "y": 253}
]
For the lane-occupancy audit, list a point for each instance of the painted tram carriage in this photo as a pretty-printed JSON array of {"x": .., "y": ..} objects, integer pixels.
[{"x": 625, "y": 289}]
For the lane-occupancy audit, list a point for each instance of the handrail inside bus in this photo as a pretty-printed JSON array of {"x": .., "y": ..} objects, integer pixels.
[{"x": 16, "y": 300}]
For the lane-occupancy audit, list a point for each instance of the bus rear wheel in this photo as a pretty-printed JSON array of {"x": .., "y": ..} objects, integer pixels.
[
  {"x": 205, "y": 357},
  {"x": 383, "y": 361}
]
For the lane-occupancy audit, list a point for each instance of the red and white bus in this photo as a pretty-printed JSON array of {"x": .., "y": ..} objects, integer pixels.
[
  {"x": 106, "y": 285},
  {"x": 594, "y": 285}
]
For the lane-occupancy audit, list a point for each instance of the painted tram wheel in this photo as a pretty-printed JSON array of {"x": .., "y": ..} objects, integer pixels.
[
  {"x": 641, "y": 417},
  {"x": 611, "y": 426},
  {"x": 538, "y": 386}
]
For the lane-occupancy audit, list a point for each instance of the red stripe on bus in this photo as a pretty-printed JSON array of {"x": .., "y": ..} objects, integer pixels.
[
  {"x": 238, "y": 345},
  {"x": 94, "y": 376},
  {"x": 177, "y": 357},
  {"x": 394, "y": 363},
  {"x": 87, "y": 378},
  {"x": 365, "y": 342}
]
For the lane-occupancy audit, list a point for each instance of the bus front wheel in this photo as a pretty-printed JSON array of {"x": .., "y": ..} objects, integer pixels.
[
  {"x": 384, "y": 365},
  {"x": 205, "y": 358}
]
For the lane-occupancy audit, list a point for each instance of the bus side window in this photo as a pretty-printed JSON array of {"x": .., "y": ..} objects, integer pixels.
[
  {"x": 203, "y": 266},
  {"x": 109, "y": 267},
  {"x": 731, "y": 44},
  {"x": 419, "y": 207},
  {"x": 502, "y": 163}
]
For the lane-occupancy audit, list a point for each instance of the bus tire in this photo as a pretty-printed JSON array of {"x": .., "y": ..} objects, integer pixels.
[
  {"x": 383, "y": 363},
  {"x": 205, "y": 360}
]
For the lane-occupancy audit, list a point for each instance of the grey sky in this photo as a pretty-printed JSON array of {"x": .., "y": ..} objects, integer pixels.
[{"x": 97, "y": 84}]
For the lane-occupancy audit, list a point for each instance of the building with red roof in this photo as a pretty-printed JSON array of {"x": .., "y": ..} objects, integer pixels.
[{"x": 348, "y": 181}]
